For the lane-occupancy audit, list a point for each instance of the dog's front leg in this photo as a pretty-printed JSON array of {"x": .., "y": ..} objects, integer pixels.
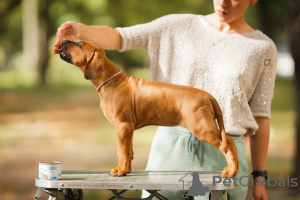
[{"x": 125, "y": 152}]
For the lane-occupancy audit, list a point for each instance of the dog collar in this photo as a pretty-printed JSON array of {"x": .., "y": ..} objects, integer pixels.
[{"x": 98, "y": 89}]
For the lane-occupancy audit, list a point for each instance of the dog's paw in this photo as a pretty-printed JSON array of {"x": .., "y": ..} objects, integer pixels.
[
  {"x": 114, "y": 172},
  {"x": 117, "y": 172},
  {"x": 229, "y": 172},
  {"x": 225, "y": 172}
]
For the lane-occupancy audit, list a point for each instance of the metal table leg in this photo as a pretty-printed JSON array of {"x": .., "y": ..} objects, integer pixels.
[
  {"x": 157, "y": 195},
  {"x": 153, "y": 193},
  {"x": 39, "y": 193},
  {"x": 218, "y": 195},
  {"x": 55, "y": 194}
]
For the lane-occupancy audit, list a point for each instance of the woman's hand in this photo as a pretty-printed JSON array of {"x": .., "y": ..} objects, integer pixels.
[
  {"x": 67, "y": 31},
  {"x": 259, "y": 190}
]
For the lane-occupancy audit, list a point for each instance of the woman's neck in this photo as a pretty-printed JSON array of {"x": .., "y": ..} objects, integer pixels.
[{"x": 236, "y": 26}]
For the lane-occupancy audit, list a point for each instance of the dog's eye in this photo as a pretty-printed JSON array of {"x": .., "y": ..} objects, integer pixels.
[{"x": 78, "y": 44}]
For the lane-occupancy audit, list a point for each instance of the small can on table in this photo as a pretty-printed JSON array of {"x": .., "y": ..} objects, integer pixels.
[{"x": 50, "y": 170}]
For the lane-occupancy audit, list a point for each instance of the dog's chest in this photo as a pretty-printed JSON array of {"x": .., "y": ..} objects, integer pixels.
[
  {"x": 102, "y": 106},
  {"x": 106, "y": 116}
]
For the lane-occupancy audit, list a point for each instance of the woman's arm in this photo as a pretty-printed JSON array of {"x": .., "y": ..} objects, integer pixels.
[
  {"x": 103, "y": 36},
  {"x": 259, "y": 144}
]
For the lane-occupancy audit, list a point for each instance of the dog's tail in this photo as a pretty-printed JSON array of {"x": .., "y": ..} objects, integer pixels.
[{"x": 219, "y": 117}]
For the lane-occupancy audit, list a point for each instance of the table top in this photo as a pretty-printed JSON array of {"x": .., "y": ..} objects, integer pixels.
[{"x": 135, "y": 180}]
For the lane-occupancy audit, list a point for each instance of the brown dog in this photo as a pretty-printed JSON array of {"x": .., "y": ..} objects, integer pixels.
[{"x": 131, "y": 103}]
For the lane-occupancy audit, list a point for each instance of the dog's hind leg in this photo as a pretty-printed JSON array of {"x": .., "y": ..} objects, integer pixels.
[
  {"x": 125, "y": 152},
  {"x": 232, "y": 159},
  {"x": 207, "y": 131}
]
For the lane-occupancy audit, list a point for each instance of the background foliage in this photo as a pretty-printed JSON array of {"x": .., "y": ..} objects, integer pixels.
[{"x": 266, "y": 16}]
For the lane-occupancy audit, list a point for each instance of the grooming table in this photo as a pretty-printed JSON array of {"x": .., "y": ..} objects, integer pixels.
[{"x": 70, "y": 186}]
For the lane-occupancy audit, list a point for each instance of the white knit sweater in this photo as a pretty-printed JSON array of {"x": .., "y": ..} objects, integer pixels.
[{"x": 239, "y": 70}]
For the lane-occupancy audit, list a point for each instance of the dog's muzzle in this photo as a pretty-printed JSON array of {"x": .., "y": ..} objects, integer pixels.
[
  {"x": 64, "y": 48},
  {"x": 65, "y": 57}
]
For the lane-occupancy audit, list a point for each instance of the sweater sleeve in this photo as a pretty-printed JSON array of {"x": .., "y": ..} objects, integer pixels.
[
  {"x": 140, "y": 36},
  {"x": 260, "y": 102}
]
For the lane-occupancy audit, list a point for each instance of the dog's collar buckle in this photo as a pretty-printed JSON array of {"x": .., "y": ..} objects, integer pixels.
[{"x": 99, "y": 87}]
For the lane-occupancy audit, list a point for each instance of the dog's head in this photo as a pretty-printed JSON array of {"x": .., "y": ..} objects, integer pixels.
[{"x": 86, "y": 56}]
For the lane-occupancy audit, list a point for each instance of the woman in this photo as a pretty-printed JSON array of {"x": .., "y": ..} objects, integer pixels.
[{"x": 219, "y": 53}]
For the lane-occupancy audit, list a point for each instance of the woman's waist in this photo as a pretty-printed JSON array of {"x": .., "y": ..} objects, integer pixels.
[{"x": 179, "y": 130}]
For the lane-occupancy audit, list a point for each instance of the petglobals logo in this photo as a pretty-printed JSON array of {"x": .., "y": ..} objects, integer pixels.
[
  {"x": 246, "y": 181},
  {"x": 195, "y": 186}
]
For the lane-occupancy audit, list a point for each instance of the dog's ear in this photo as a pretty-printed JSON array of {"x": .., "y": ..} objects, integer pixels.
[{"x": 93, "y": 66}]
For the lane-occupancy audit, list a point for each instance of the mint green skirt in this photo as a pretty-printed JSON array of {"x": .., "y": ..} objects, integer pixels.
[{"x": 176, "y": 149}]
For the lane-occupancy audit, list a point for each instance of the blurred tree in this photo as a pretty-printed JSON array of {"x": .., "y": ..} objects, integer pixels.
[
  {"x": 44, "y": 37},
  {"x": 31, "y": 55},
  {"x": 294, "y": 31},
  {"x": 272, "y": 19},
  {"x": 10, "y": 29},
  {"x": 114, "y": 13},
  {"x": 7, "y": 6}
]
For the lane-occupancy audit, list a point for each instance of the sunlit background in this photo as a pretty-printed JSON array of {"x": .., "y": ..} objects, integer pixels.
[{"x": 49, "y": 112}]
